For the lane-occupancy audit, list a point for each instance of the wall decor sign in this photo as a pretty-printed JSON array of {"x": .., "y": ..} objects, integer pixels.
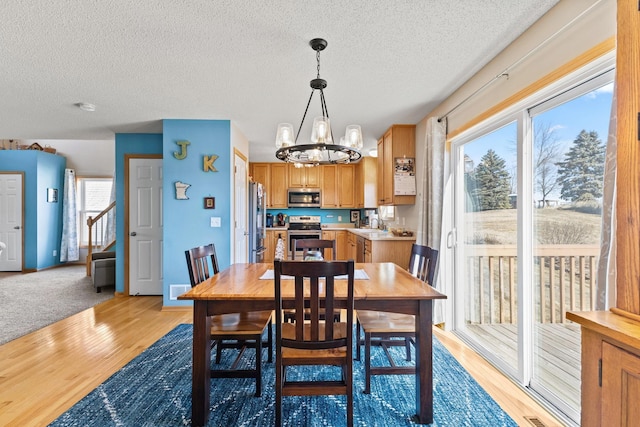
[
  {"x": 52, "y": 195},
  {"x": 182, "y": 154},
  {"x": 181, "y": 190},
  {"x": 355, "y": 216},
  {"x": 209, "y": 202},
  {"x": 208, "y": 163}
]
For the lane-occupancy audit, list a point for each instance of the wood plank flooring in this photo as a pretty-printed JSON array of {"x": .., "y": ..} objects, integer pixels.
[{"x": 44, "y": 373}]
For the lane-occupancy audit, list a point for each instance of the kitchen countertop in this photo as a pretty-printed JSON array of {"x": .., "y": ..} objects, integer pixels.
[{"x": 368, "y": 233}]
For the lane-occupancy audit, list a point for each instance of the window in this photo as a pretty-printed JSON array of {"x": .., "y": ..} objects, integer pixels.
[
  {"x": 94, "y": 195},
  {"x": 528, "y": 203}
]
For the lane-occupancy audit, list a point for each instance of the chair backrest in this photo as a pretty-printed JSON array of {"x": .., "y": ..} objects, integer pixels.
[
  {"x": 423, "y": 263},
  {"x": 198, "y": 264},
  {"x": 319, "y": 296},
  {"x": 315, "y": 244}
]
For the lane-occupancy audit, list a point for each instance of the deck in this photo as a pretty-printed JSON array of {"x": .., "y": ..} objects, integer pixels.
[{"x": 557, "y": 352}]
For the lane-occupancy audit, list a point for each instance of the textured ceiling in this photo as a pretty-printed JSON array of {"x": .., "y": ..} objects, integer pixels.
[{"x": 140, "y": 61}]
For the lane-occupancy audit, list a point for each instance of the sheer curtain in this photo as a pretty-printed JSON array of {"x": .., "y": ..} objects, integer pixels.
[
  {"x": 606, "y": 281},
  {"x": 432, "y": 190},
  {"x": 69, "y": 248},
  {"x": 110, "y": 227}
]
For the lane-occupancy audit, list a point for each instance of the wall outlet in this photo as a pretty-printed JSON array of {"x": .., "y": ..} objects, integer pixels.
[
  {"x": 215, "y": 221},
  {"x": 339, "y": 218},
  {"x": 55, "y": 252}
]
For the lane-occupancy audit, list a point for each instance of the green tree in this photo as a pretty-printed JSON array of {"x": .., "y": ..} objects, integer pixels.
[
  {"x": 492, "y": 182},
  {"x": 580, "y": 174}
]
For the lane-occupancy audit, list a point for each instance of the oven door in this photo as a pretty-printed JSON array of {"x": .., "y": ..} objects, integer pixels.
[{"x": 293, "y": 235}]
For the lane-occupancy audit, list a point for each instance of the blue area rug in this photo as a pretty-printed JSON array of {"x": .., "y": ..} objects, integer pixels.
[{"x": 154, "y": 389}]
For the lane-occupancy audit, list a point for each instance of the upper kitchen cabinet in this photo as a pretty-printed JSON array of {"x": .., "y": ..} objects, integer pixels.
[
  {"x": 275, "y": 179},
  {"x": 304, "y": 177},
  {"x": 338, "y": 186},
  {"x": 397, "y": 145}
]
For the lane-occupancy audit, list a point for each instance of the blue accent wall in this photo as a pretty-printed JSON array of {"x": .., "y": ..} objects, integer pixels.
[
  {"x": 128, "y": 143},
  {"x": 42, "y": 220},
  {"x": 186, "y": 222}
]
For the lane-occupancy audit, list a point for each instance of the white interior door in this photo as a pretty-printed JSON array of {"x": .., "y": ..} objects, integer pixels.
[
  {"x": 145, "y": 226},
  {"x": 240, "y": 211},
  {"x": 10, "y": 222}
]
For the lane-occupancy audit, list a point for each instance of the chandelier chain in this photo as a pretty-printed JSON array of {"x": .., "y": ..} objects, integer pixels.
[{"x": 318, "y": 61}]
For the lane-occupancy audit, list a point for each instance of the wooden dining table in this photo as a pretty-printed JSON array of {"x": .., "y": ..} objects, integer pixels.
[{"x": 240, "y": 288}]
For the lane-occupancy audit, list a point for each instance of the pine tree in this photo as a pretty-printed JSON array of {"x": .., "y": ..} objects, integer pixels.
[
  {"x": 580, "y": 174},
  {"x": 492, "y": 182}
]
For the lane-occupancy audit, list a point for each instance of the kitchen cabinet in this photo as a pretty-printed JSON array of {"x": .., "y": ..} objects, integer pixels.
[
  {"x": 261, "y": 172},
  {"x": 304, "y": 177},
  {"x": 383, "y": 250},
  {"x": 352, "y": 251},
  {"x": 338, "y": 182},
  {"x": 271, "y": 240},
  {"x": 366, "y": 183},
  {"x": 397, "y": 142},
  {"x": 340, "y": 236},
  {"x": 278, "y": 182}
]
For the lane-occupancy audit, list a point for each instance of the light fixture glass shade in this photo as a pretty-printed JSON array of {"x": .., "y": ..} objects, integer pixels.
[
  {"x": 353, "y": 137},
  {"x": 285, "y": 135},
  {"x": 321, "y": 132}
]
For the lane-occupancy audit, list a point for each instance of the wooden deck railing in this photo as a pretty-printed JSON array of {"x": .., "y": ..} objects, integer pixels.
[
  {"x": 97, "y": 234},
  {"x": 564, "y": 278}
]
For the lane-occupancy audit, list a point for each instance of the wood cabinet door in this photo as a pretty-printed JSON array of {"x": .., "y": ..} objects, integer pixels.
[
  {"x": 296, "y": 176},
  {"x": 388, "y": 170},
  {"x": 260, "y": 172},
  {"x": 329, "y": 180},
  {"x": 278, "y": 185},
  {"x": 359, "y": 186},
  {"x": 342, "y": 250},
  {"x": 312, "y": 177},
  {"x": 270, "y": 246},
  {"x": 380, "y": 170},
  {"x": 345, "y": 189},
  {"x": 620, "y": 387}
]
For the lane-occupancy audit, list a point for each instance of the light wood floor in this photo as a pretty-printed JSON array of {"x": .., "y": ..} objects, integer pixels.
[{"x": 44, "y": 373}]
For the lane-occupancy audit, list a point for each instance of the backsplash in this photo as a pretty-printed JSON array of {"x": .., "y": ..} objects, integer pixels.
[{"x": 342, "y": 216}]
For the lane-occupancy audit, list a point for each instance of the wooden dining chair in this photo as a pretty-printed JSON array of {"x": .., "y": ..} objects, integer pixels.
[
  {"x": 314, "y": 341},
  {"x": 232, "y": 330},
  {"x": 322, "y": 245},
  {"x": 383, "y": 329}
]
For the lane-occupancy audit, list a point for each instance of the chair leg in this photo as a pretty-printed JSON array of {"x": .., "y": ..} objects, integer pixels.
[
  {"x": 219, "y": 351},
  {"x": 278, "y": 393},
  {"x": 270, "y": 341},
  {"x": 407, "y": 345},
  {"x": 357, "y": 339},
  {"x": 367, "y": 363},
  {"x": 258, "y": 365},
  {"x": 349, "y": 396}
]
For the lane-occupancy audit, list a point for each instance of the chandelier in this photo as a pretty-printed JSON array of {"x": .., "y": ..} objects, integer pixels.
[{"x": 322, "y": 150}]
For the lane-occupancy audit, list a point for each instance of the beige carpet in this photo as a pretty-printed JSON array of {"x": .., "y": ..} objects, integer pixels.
[{"x": 31, "y": 301}]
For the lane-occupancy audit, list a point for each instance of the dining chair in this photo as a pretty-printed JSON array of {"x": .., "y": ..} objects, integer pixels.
[
  {"x": 314, "y": 341},
  {"x": 232, "y": 330},
  {"x": 383, "y": 329},
  {"x": 324, "y": 246}
]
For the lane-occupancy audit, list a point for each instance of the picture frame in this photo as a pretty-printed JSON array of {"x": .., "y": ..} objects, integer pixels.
[
  {"x": 209, "y": 202},
  {"x": 355, "y": 215},
  {"x": 52, "y": 195}
]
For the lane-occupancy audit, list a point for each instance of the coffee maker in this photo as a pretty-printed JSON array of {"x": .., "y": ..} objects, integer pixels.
[{"x": 280, "y": 218}]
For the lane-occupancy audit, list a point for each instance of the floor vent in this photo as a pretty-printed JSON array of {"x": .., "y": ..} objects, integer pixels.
[
  {"x": 535, "y": 421},
  {"x": 176, "y": 290}
]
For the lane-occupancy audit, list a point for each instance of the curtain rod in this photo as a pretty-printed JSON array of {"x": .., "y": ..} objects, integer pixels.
[{"x": 505, "y": 72}]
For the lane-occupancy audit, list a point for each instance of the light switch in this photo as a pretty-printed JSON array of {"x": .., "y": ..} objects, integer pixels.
[{"x": 215, "y": 221}]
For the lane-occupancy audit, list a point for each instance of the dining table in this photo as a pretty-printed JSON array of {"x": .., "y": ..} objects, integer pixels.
[{"x": 250, "y": 287}]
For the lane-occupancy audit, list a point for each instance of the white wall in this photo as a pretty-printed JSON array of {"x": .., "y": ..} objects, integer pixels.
[{"x": 89, "y": 158}]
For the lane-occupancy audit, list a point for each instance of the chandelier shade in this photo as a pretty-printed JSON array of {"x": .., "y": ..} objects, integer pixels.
[{"x": 321, "y": 149}]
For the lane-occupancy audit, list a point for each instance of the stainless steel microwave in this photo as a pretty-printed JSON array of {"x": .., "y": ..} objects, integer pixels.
[{"x": 303, "y": 198}]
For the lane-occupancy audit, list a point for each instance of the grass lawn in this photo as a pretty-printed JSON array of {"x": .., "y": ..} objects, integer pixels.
[{"x": 552, "y": 226}]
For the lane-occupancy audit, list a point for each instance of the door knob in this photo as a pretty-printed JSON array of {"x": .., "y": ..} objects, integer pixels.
[
  {"x": 133, "y": 234},
  {"x": 17, "y": 227}
]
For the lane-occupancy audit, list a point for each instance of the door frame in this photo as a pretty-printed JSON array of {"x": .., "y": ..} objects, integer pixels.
[
  {"x": 22, "y": 210},
  {"x": 127, "y": 205},
  {"x": 241, "y": 156}
]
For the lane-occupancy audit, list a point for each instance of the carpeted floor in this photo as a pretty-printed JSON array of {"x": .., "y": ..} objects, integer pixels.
[
  {"x": 32, "y": 301},
  {"x": 155, "y": 390}
]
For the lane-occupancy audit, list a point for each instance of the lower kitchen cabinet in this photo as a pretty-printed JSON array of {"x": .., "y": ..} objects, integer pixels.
[
  {"x": 271, "y": 241},
  {"x": 340, "y": 237}
]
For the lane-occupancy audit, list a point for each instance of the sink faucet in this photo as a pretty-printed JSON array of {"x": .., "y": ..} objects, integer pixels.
[{"x": 379, "y": 223}]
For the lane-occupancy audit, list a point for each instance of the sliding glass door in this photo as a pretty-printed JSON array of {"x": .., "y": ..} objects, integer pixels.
[{"x": 527, "y": 216}]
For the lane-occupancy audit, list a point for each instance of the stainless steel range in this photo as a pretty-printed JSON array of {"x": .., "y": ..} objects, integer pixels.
[{"x": 302, "y": 227}]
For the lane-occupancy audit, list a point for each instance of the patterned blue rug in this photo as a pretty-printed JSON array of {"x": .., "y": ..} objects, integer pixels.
[{"x": 154, "y": 389}]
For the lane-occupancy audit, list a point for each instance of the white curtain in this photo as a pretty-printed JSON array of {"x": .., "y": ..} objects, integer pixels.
[
  {"x": 432, "y": 191},
  {"x": 69, "y": 248},
  {"x": 606, "y": 280},
  {"x": 110, "y": 227}
]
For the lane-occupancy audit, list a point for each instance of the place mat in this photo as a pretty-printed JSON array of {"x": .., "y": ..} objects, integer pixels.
[{"x": 357, "y": 274}]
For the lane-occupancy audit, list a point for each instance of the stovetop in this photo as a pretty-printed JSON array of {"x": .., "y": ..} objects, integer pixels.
[{"x": 311, "y": 222}]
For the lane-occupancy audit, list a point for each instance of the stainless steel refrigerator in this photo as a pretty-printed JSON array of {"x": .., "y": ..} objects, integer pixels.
[{"x": 257, "y": 222}]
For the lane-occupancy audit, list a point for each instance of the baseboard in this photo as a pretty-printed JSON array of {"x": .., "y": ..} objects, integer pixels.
[{"x": 177, "y": 308}]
